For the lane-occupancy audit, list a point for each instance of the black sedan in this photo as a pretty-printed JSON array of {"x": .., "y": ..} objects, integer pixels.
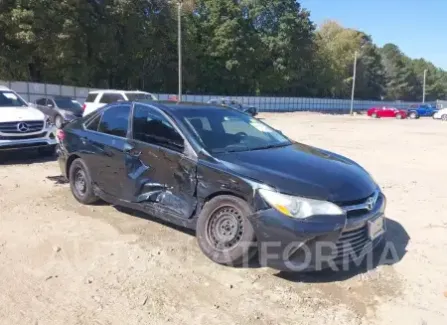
[
  {"x": 60, "y": 109},
  {"x": 242, "y": 185}
]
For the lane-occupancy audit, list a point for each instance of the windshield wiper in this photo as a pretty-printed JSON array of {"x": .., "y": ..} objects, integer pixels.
[{"x": 276, "y": 145}]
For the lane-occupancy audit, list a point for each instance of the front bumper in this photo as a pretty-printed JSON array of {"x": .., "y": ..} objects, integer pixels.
[
  {"x": 41, "y": 139},
  {"x": 316, "y": 243}
]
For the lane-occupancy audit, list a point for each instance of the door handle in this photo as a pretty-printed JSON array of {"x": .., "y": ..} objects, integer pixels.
[{"x": 131, "y": 151}]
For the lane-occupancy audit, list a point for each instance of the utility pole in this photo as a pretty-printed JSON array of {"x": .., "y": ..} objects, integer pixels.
[
  {"x": 180, "y": 64},
  {"x": 423, "y": 89},
  {"x": 353, "y": 83}
]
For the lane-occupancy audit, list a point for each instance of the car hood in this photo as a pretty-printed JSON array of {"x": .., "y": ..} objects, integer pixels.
[
  {"x": 13, "y": 114},
  {"x": 303, "y": 170}
]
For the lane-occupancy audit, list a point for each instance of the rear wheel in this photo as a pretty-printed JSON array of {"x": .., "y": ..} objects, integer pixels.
[
  {"x": 374, "y": 115},
  {"x": 399, "y": 116},
  {"x": 81, "y": 183},
  {"x": 224, "y": 233}
]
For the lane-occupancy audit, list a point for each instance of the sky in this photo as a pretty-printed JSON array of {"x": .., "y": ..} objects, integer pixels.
[{"x": 417, "y": 27}]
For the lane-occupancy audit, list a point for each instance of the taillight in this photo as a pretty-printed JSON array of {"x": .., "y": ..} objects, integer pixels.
[
  {"x": 60, "y": 134},
  {"x": 83, "y": 107}
]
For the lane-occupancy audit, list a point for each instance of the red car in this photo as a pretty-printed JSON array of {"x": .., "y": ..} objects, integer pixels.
[{"x": 387, "y": 112}]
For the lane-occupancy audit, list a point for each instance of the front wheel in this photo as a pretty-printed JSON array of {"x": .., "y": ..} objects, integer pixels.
[
  {"x": 59, "y": 122},
  {"x": 374, "y": 115},
  {"x": 224, "y": 233},
  {"x": 413, "y": 115},
  {"x": 444, "y": 117},
  {"x": 81, "y": 183},
  {"x": 399, "y": 116}
]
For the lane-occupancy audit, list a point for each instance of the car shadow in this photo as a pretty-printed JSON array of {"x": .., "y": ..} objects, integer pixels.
[
  {"x": 142, "y": 215},
  {"x": 389, "y": 252},
  {"x": 25, "y": 157}
]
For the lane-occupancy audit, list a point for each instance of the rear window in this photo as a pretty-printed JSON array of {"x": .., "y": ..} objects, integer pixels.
[
  {"x": 69, "y": 104},
  {"x": 109, "y": 98},
  {"x": 139, "y": 96},
  {"x": 91, "y": 98}
]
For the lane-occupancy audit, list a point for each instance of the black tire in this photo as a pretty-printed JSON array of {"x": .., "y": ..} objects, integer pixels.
[
  {"x": 413, "y": 115},
  {"x": 224, "y": 233},
  {"x": 444, "y": 117},
  {"x": 81, "y": 182},
  {"x": 59, "y": 122},
  {"x": 47, "y": 151}
]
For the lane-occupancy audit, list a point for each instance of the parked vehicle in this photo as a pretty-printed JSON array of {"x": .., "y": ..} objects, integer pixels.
[
  {"x": 22, "y": 126},
  {"x": 235, "y": 180},
  {"x": 252, "y": 110},
  {"x": 441, "y": 115},
  {"x": 60, "y": 109},
  {"x": 99, "y": 98},
  {"x": 423, "y": 110},
  {"x": 378, "y": 112}
]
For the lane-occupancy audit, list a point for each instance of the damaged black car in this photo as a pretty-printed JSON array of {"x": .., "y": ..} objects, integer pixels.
[{"x": 244, "y": 187}]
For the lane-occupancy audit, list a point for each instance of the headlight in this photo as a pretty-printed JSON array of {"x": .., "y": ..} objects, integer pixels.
[{"x": 298, "y": 207}]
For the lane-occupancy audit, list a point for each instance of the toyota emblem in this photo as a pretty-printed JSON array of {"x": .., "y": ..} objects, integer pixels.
[
  {"x": 370, "y": 204},
  {"x": 22, "y": 127}
]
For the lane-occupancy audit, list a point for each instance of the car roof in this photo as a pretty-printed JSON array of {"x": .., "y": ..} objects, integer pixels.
[
  {"x": 4, "y": 88},
  {"x": 170, "y": 106},
  {"x": 115, "y": 91}
]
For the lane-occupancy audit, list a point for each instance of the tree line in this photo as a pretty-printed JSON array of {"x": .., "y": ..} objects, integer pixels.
[{"x": 244, "y": 47}]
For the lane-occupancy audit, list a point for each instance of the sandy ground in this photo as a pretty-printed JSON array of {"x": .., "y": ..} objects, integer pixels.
[{"x": 63, "y": 263}]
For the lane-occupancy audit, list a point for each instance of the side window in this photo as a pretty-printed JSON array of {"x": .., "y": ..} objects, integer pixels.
[
  {"x": 152, "y": 127},
  {"x": 108, "y": 98},
  {"x": 41, "y": 101},
  {"x": 94, "y": 123},
  {"x": 115, "y": 121},
  {"x": 91, "y": 98}
]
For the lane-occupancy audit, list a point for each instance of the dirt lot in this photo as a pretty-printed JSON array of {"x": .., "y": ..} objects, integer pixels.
[{"x": 63, "y": 263}]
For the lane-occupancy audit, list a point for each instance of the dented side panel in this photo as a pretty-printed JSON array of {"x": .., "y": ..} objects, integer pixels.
[{"x": 164, "y": 179}]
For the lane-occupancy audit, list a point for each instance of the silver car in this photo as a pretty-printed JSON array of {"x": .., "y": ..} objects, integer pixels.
[{"x": 60, "y": 109}]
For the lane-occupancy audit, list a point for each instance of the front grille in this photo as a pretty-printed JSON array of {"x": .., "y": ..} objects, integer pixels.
[
  {"x": 24, "y": 137},
  {"x": 351, "y": 243},
  {"x": 360, "y": 208},
  {"x": 27, "y": 127}
]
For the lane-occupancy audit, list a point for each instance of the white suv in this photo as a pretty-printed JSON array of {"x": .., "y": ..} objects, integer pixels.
[
  {"x": 99, "y": 98},
  {"x": 22, "y": 126},
  {"x": 441, "y": 114}
]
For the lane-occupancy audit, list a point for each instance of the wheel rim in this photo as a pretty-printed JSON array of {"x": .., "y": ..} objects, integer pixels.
[
  {"x": 413, "y": 115},
  {"x": 444, "y": 117},
  {"x": 80, "y": 182},
  {"x": 225, "y": 228},
  {"x": 58, "y": 122}
]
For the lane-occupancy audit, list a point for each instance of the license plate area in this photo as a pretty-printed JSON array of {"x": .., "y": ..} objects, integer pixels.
[{"x": 375, "y": 228}]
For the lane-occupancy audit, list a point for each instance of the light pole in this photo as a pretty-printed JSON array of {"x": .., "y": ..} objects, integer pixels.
[
  {"x": 180, "y": 64},
  {"x": 423, "y": 89},
  {"x": 353, "y": 83}
]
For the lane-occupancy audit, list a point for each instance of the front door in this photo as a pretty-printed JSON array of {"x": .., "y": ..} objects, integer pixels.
[{"x": 161, "y": 171}]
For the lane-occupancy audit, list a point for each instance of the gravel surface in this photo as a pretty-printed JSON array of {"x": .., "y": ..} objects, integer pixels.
[{"x": 63, "y": 263}]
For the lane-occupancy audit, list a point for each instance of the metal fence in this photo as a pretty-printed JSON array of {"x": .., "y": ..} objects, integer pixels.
[{"x": 32, "y": 91}]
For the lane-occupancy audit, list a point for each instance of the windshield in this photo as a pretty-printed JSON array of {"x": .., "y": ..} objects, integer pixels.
[
  {"x": 139, "y": 96},
  {"x": 8, "y": 99},
  {"x": 68, "y": 104},
  {"x": 220, "y": 130}
]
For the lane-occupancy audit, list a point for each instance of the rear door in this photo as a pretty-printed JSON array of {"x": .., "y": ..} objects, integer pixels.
[
  {"x": 107, "y": 140},
  {"x": 160, "y": 166}
]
